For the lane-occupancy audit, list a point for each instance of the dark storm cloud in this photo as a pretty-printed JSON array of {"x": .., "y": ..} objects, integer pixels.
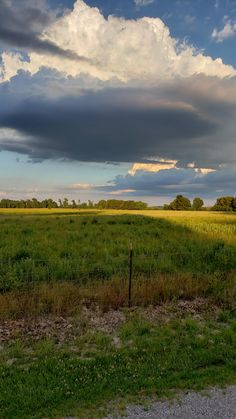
[
  {"x": 112, "y": 125},
  {"x": 190, "y": 121},
  {"x": 21, "y": 24}
]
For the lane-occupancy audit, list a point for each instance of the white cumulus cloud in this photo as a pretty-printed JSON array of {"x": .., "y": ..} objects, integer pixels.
[{"x": 115, "y": 49}]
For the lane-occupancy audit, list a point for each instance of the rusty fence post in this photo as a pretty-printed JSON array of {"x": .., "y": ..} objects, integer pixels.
[{"x": 130, "y": 273}]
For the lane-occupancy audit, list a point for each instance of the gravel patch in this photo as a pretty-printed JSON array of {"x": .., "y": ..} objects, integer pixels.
[{"x": 213, "y": 404}]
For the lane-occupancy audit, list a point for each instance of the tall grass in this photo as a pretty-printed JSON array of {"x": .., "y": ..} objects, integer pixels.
[
  {"x": 174, "y": 253},
  {"x": 82, "y": 248},
  {"x": 67, "y": 298}
]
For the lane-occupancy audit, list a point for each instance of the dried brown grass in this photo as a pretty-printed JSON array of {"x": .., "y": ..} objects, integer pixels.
[{"x": 67, "y": 298}]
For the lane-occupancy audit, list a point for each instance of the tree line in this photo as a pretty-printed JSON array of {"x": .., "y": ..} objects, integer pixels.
[
  {"x": 65, "y": 203},
  {"x": 183, "y": 203},
  {"x": 224, "y": 203}
]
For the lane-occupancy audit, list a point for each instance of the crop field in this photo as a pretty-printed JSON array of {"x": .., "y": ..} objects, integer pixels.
[{"x": 184, "y": 252}]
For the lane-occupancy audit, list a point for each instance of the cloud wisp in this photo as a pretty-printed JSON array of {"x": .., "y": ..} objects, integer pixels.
[
  {"x": 141, "y": 3},
  {"x": 228, "y": 31}
]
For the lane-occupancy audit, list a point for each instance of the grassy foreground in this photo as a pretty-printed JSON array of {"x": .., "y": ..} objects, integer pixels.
[
  {"x": 48, "y": 380},
  {"x": 59, "y": 263}
]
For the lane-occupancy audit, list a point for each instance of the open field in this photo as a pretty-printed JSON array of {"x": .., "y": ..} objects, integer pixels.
[
  {"x": 86, "y": 254},
  {"x": 47, "y": 245},
  {"x": 64, "y": 349}
]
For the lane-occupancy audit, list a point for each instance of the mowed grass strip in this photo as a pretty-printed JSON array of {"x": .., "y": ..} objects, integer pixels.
[{"x": 46, "y": 380}]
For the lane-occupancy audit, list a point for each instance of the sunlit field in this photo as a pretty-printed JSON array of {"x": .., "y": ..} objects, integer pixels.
[
  {"x": 38, "y": 245},
  {"x": 80, "y": 247},
  {"x": 215, "y": 224}
]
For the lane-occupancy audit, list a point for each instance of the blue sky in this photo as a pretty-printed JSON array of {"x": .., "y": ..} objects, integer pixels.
[{"x": 134, "y": 99}]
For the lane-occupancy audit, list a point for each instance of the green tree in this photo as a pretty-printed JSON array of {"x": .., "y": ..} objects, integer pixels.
[
  {"x": 197, "y": 204},
  {"x": 166, "y": 207},
  {"x": 65, "y": 203},
  {"x": 83, "y": 205},
  {"x": 234, "y": 204},
  {"x": 35, "y": 203},
  {"x": 73, "y": 204},
  {"x": 90, "y": 204},
  {"x": 224, "y": 203},
  {"x": 101, "y": 204},
  {"x": 180, "y": 203}
]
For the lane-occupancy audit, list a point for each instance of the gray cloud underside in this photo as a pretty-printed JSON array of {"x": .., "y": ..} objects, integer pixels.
[
  {"x": 108, "y": 126},
  {"x": 191, "y": 120},
  {"x": 20, "y": 27},
  {"x": 175, "y": 181}
]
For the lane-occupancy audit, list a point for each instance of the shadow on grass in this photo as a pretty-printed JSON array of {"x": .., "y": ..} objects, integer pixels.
[
  {"x": 87, "y": 262},
  {"x": 48, "y": 214}
]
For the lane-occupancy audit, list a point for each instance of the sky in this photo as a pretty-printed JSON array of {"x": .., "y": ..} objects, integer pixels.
[{"x": 117, "y": 99}]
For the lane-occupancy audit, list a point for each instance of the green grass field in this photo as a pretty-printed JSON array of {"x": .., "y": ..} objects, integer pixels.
[
  {"x": 56, "y": 263},
  {"x": 175, "y": 255},
  {"x": 55, "y": 245}
]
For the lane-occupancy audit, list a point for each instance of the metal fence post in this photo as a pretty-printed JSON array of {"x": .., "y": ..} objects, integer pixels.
[{"x": 130, "y": 272}]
